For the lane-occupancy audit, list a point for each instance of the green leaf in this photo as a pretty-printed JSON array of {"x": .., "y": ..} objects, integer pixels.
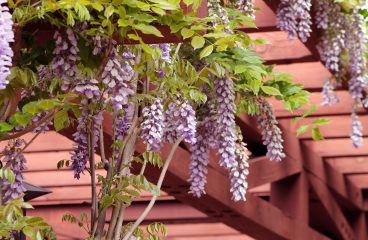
[
  {"x": 5, "y": 127},
  {"x": 302, "y": 129},
  {"x": 61, "y": 120},
  {"x": 148, "y": 29},
  {"x": 321, "y": 121},
  {"x": 240, "y": 69},
  {"x": 206, "y": 51},
  {"x": 197, "y": 42},
  {"x": 29, "y": 232},
  {"x": 316, "y": 134},
  {"x": 109, "y": 11},
  {"x": 271, "y": 91},
  {"x": 186, "y": 33}
]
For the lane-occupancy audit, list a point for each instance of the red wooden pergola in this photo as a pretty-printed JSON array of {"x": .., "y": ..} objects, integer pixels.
[{"x": 318, "y": 192}]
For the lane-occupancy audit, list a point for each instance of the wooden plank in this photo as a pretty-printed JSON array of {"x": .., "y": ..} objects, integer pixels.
[
  {"x": 351, "y": 196},
  {"x": 311, "y": 74},
  {"x": 336, "y": 147},
  {"x": 279, "y": 47},
  {"x": 359, "y": 224},
  {"x": 342, "y": 108},
  {"x": 344, "y": 230},
  {"x": 359, "y": 180},
  {"x": 46, "y": 142},
  {"x": 342, "y": 123},
  {"x": 263, "y": 171},
  {"x": 348, "y": 165},
  {"x": 291, "y": 195}
]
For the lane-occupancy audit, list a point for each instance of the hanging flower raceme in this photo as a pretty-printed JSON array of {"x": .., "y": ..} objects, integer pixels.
[
  {"x": 333, "y": 41},
  {"x": 225, "y": 130},
  {"x": 219, "y": 14},
  {"x": 357, "y": 41},
  {"x": 356, "y": 130},
  {"x": 64, "y": 63},
  {"x": 153, "y": 124},
  {"x": 246, "y": 6},
  {"x": 293, "y": 17},
  {"x": 86, "y": 121},
  {"x": 328, "y": 94},
  {"x": 271, "y": 133},
  {"x": 238, "y": 174},
  {"x": 180, "y": 121},
  {"x": 198, "y": 164},
  {"x": 166, "y": 49},
  {"x": 14, "y": 159},
  {"x": 322, "y": 8},
  {"x": 6, "y": 37}
]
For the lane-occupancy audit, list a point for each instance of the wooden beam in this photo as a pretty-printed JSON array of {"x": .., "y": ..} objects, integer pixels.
[
  {"x": 347, "y": 165},
  {"x": 342, "y": 108},
  {"x": 341, "y": 147},
  {"x": 359, "y": 180},
  {"x": 291, "y": 195},
  {"x": 341, "y": 225},
  {"x": 342, "y": 123},
  {"x": 359, "y": 224},
  {"x": 311, "y": 74},
  {"x": 351, "y": 196},
  {"x": 279, "y": 47}
]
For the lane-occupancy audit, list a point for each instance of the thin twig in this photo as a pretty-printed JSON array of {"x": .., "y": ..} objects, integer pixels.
[
  {"x": 154, "y": 197},
  {"x": 93, "y": 180},
  {"x": 30, "y": 128}
]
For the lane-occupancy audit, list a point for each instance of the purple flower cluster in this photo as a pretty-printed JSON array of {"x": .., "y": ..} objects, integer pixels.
[
  {"x": 64, "y": 63},
  {"x": 198, "y": 164},
  {"x": 357, "y": 41},
  {"x": 246, "y": 6},
  {"x": 88, "y": 88},
  {"x": 87, "y": 120},
  {"x": 328, "y": 94},
  {"x": 219, "y": 14},
  {"x": 271, "y": 133},
  {"x": 293, "y": 17},
  {"x": 333, "y": 41},
  {"x": 180, "y": 121},
  {"x": 225, "y": 130},
  {"x": 152, "y": 126},
  {"x": 6, "y": 37},
  {"x": 117, "y": 76},
  {"x": 166, "y": 49},
  {"x": 356, "y": 130},
  {"x": 239, "y": 173},
  {"x": 15, "y": 161},
  {"x": 322, "y": 8}
]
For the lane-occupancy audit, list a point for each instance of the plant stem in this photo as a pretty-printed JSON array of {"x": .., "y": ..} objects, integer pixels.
[
  {"x": 154, "y": 197},
  {"x": 93, "y": 180}
]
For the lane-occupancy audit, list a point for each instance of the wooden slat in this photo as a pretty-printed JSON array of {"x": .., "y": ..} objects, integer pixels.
[
  {"x": 336, "y": 147},
  {"x": 312, "y": 162},
  {"x": 348, "y": 165},
  {"x": 342, "y": 226},
  {"x": 351, "y": 194},
  {"x": 339, "y": 127},
  {"x": 360, "y": 180},
  {"x": 344, "y": 107},
  {"x": 311, "y": 74},
  {"x": 291, "y": 195},
  {"x": 279, "y": 47}
]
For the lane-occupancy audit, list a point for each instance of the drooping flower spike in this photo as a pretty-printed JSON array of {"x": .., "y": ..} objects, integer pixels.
[{"x": 6, "y": 37}]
